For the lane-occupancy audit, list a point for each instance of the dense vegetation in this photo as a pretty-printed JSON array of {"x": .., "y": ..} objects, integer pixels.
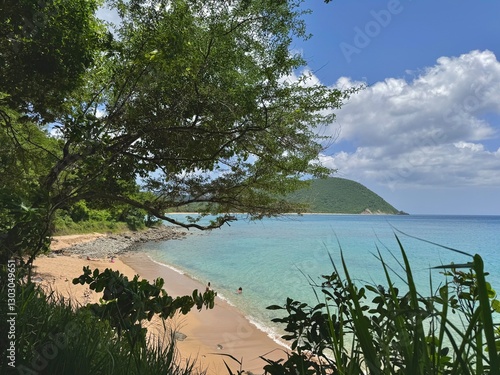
[
  {"x": 80, "y": 218},
  {"x": 56, "y": 338},
  {"x": 338, "y": 195},
  {"x": 332, "y": 195}
]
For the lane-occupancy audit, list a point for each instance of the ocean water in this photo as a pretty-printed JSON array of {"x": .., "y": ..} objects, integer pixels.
[{"x": 274, "y": 259}]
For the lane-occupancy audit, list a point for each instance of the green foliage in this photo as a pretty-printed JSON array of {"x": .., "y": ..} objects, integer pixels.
[
  {"x": 54, "y": 337},
  {"x": 134, "y": 217},
  {"x": 126, "y": 303},
  {"x": 45, "y": 48},
  {"x": 79, "y": 218},
  {"x": 338, "y": 195},
  {"x": 26, "y": 154},
  {"x": 396, "y": 332},
  {"x": 330, "y": 195},
  {"x": 64, "y": 225},
  {"x": 79, "y": 212}
]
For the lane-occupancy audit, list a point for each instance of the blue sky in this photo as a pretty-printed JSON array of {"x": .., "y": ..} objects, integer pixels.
[{"x": 425, "y": 133}]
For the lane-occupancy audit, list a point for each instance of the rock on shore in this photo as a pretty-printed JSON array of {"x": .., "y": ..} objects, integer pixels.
[{"x": 115, "y": 244}]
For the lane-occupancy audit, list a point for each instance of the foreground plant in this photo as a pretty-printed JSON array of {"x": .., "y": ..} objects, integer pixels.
[
  {"x": 55, "y": 337},
  {"x": 125, "y": 303},
  {"x": 450, "y": 332}
]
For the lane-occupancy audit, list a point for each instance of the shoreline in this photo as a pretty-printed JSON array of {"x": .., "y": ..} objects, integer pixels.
[
  {"x": 105, "y": 245},
  {"x": 211, "y": 333},
  {"x": 269, "y": 332},
  {"x": 206, "y": 336}
]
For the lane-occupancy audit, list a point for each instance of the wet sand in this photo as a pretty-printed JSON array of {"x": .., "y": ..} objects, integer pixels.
[{"x": 210, "y": 333}]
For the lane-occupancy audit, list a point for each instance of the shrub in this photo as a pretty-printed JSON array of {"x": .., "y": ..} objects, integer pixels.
[
  {"x": 450, "y": 332},
  {"x": 54, "y": 336},
  {"x": 127, "y": 303}
]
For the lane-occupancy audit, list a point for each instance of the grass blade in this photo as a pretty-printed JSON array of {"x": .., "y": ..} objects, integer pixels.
[
  {"x": 485, "y": 309},
  {"x": 361, "y": 325}
]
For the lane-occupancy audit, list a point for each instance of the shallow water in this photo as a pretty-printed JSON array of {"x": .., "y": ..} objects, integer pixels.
[{"x": 278, "y": 258}]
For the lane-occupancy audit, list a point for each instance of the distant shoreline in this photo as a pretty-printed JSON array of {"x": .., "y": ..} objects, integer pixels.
[{"x": 302, "y": 213}]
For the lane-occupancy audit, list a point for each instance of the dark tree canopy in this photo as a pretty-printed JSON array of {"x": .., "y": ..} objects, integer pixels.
[
  {"x": 193, "y": 100},
  {"x": 45, "y": 48}
]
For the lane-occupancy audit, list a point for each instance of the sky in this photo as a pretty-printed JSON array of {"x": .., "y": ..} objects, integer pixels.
[{"x": 425, "y": 132}]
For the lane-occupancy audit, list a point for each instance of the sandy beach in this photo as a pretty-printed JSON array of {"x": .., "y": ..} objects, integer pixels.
[{"x": 207, "y": 335}]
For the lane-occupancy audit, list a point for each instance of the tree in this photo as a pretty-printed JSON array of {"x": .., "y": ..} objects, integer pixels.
[
  {"x": 45, "y": 48},
  {"x": 26, "y": 155},
  {"x": 196, "y": 101}
]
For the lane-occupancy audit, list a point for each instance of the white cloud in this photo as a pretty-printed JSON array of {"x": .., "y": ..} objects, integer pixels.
[
  {"x": 109, "y": 15},
  {"x": 431, "y": 131},
  {"x": 55, "y": 131}
]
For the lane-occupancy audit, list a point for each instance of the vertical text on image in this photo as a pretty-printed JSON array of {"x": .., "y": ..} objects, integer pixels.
[{"x": 11, "y": 312}]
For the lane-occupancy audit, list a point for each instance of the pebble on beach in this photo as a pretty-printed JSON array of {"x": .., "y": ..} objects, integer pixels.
[{"x": 112, "y": 245}]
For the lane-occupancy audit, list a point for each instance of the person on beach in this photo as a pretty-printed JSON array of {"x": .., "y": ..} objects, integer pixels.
[
  {"x": 240, "y": 290},
  {"x": 208, "y": 287}
]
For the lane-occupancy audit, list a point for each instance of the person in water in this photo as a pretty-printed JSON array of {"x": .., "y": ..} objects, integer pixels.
[{"x": 240, "y": 290}]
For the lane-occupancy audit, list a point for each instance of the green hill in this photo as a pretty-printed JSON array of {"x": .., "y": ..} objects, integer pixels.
[{"x": 338, "y": 195}]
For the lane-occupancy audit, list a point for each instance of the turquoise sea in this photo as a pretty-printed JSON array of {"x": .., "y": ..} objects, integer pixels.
[{"x": 272, "y": 259}]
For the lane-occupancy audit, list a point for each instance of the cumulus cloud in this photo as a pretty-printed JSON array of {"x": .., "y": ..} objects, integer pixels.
[{"x": 430, "y": 131}]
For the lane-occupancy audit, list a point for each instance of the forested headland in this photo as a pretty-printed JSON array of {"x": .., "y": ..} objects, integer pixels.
[{"x": 341, "y": 196}]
